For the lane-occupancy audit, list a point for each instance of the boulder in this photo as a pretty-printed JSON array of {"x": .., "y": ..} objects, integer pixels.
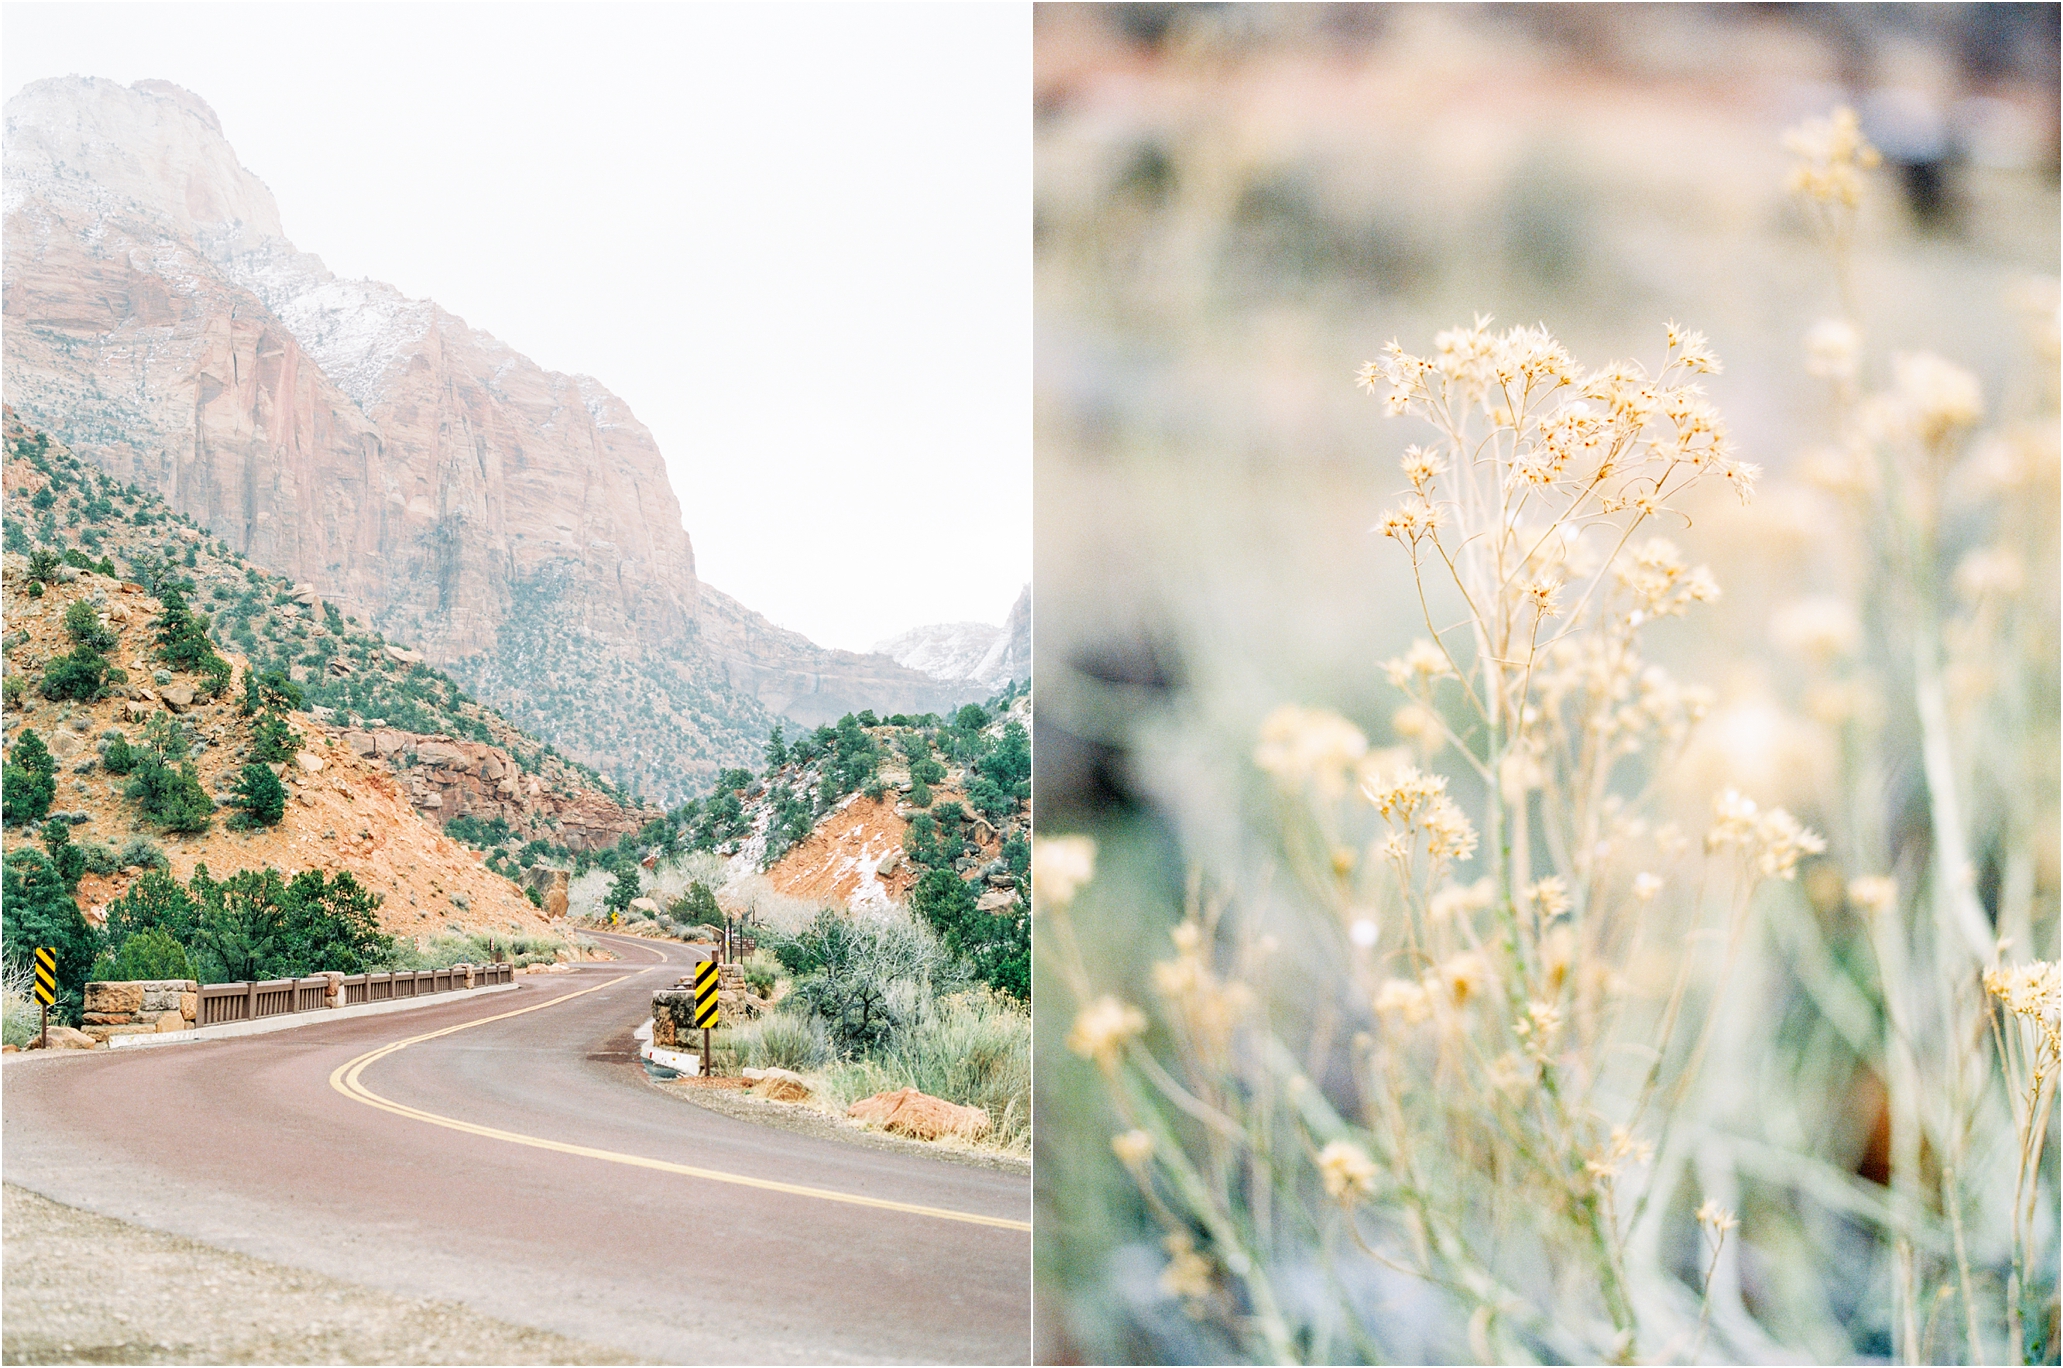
[
  {"x": 136, "y": 710},
  {"x": 920, "y": 1115},
  {"x": 63, "y": 745},
  {"x": 555, "y": 899},
  {"x": 405, "y": 656},
  {"x": 441, "y": 754},
  {"x": 308, "y": 761},
  {"x": 178, "y": 697},
  {"x": 65, "y": 1038},
  {"x": 996, "y": 901},
  {"x": 645, "y": 905},
  {"x": 360, "y": 742}
]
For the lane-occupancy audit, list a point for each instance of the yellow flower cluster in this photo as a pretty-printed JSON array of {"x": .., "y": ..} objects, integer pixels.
[
  {"x": 2033, "y": 991},
  {"x": 1310, "y": 748},
  {"x": 1773, "y": 841},
  {"x": 1207, "y": 1006},
  {"x": 1412, "y": 801},
  {"x": 1060, "y": 865},
  {"x": 1832, "y": 155},
  {"x": 1347, "y": 1171},
  {"x": 1102, "y": 1028}
]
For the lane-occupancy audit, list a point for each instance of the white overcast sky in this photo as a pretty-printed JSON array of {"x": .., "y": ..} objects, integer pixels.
[{"x": 796, "y": 239}]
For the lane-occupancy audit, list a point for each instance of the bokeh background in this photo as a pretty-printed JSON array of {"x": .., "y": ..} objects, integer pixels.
[{"x": 1237, "y": 206}]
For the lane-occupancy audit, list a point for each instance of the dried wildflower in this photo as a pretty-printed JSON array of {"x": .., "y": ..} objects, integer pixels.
[
  {"x": 2033, "y": 991},
  {"x": 1310, "y": 748},
  {"x": 1404, "y": 1000},
  {"x": 1419, "y": 725},
  {"x": 1716, "y": 1218},
  {"x": 1411, "y": 520},
  {"x": 1348, "y": 1172},
  {"x": 1646, "y": 886},
  {"x": 1060, "y": 865},
  {"x": 1422, "y": 663},
  {"x": 1102, "y": 1028},
  {"x": 1832, "y": 155},
  {"x": 1990, "y": 572},
  {"x": 1833, "y": 349},
  {"x": 1874, "y": 894},
  {"x": 1188, "y": 1274},
  {"x": 1462, "y": 978},
  {"x": 1620, "y": 1150},
  {"x": 1422, "y": 467},
  {"x": 1550, "y": 897},
  {"x": 1537, "y": 1029},
  {"x": 1934, "y": 396},
  {"x": 1458, "y": 900},
  {"x": 1132, "y": 1147},
  {"x": 1774, "y": 840}
]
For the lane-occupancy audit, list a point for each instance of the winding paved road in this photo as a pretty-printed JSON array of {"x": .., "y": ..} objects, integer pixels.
[{"x": 505, "y": 1152}]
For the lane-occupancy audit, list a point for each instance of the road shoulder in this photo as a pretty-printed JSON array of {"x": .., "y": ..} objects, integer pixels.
[
  {"x": 86, "y": 1288},
  {"x": 803, "y": 1119}
]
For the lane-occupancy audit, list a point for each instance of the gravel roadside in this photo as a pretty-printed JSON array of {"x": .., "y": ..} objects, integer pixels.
[
  {"x": 804, "y": 1119},
  {"x": 85, "y": 1288}
]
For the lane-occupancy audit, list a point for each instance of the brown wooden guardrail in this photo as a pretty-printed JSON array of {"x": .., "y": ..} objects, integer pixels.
[{"x": 218, "y": 1003}]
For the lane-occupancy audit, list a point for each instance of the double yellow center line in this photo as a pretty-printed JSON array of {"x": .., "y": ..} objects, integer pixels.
[{"x": 347, "y": 1079}]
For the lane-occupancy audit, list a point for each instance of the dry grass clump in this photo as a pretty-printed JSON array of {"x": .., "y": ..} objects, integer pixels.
[{"x": 1502, "y": 1085}]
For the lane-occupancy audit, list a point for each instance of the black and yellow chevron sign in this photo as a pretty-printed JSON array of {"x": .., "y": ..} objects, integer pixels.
[
  {"x": 46, "y": 975},
  {"x": 705, "y": 994}
]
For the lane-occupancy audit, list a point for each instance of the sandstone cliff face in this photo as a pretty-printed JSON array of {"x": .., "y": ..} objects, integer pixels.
[{"x": 513, "y": 523}]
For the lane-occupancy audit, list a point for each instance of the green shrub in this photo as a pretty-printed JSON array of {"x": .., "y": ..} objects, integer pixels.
[
  {"x": 172, "y": 798},
  {"x": 997, "y": 948},
  {"x": 697, "y": 907},
  {"x": 261, "y": 798},
  {"x": 14, "y": 689},
  {"x": 972, "y": 1048},
  {"x": 36, "y": 909},
  {"x": 777, "y": 1041},
  {"x": 256, "y": 924},
  {"x": 69, "y": 860},
  {"x": 83, "y": 625},
  {"x": 28, "y": 783},
  {"x": 273, "y": 741},
  {"x": 117, "y": 755},
  {"x": 863, "y": 978},
  {"x": 151, "y": 954},
  {"x": 762, "y": 972},
  {"x": 76, "y": 676},
  {"x": 141, "y": 852}
]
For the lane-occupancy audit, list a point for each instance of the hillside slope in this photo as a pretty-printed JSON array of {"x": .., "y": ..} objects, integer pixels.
[
  {"x": 460, "y": 759},
  {"x": 342, "y": 812}
]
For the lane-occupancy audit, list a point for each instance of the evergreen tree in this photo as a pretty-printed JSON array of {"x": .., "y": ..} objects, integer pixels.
[
  {"x": 260, "y": 795},
  {"x": 29, "y": 781}
]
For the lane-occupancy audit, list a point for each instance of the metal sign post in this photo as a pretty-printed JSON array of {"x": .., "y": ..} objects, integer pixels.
[
  {"x": 46, "y": 988},
  {"x": 705, "y": 1008}
]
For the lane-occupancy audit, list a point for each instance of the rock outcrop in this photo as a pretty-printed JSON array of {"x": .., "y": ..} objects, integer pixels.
[
  {"x": 513, "y": 524},
  {"x": 969, "y": 653},
  {"x": 445, "y": 777}
]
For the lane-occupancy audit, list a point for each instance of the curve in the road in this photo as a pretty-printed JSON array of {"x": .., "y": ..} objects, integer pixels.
[
  {"x": 346, "y": 1080},
  {"x": 245, "y": 1144}
]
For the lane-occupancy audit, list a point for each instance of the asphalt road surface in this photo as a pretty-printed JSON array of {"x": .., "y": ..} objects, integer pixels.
[{"x": 520, "y": 1167}]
